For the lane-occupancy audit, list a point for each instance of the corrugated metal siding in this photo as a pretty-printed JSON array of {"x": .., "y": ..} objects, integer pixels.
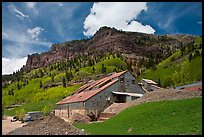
[{"x": 100, "y": 101}]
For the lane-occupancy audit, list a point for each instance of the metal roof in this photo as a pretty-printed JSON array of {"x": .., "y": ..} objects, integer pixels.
[
  {"x": 91, "y": 89},
  {"x": 149, "y": 81},
  {"x": 128, "y": 94}
]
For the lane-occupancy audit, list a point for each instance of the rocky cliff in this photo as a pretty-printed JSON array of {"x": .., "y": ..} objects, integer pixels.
[{"x": 131, "y": 44}]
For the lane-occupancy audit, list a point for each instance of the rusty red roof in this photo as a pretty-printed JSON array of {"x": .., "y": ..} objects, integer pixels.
[
  {"x": 83, "y": 96},
  {"x": 194, "y": 88},
  {"x": 87, "y": 91}
]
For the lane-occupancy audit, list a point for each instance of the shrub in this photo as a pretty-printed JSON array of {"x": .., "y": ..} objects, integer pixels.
[
  {"x": 45, "y": 111},
  {"x": 20, "y": 114}
]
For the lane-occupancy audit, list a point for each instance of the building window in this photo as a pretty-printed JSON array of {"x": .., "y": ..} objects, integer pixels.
[{"x": 122, "y": 79}]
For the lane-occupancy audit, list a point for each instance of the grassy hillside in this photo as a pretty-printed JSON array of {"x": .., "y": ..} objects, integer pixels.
[
  {"x": 158, "y": 118},
  {"x": 38, "y": 101},
  {"x": 176, "y": 70},
  {"x": 31, "y": 92}
]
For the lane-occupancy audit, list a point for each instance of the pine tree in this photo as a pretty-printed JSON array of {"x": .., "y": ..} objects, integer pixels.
[
  {"x": 114, "y": 70},
  {"x": 103, "y": 68},
  {"x": 159, "y": 82},
  {"x": 11, "y": 92},
  {"x": 18, "y": 86},
  {"x": 41, "y": 74},
  {"x": 40, "y": 84},
  {"x": 197, "y": 53},
  {"x": 67, "y": 75},
  {"x": 93, "y": 69},
  {"x": 89, "y": 62},
  {"x": 190, "y": 57},
  {"x": 52, "y": 78},
  {"x": 64, "y": 82}
]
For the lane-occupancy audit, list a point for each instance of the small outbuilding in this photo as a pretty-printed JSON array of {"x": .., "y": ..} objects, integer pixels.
[{"x": 148, "y": 85}]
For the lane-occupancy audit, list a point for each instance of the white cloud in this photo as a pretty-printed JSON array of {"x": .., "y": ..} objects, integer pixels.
[
  {"x": 19, "y": 36},
  {"x": 21, "y": 44},
  {"x": 119, "y": 15},
  {"x": 31, "y": 5},
  {"x": 18, "y": 13},
  {"x": 35, "y": 32},
  {"x": 60, "y": 4},
  {"x": 199, "y": 22},
  {"x": 4, "y": 35},
  {"x": 10, "y": 65}
]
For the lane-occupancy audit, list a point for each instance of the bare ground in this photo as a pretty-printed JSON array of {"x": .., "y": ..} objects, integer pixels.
[
  {"x": 8, "y": 126},
  {"x": 50, "y": 125},
  {"x": 157, "y": 95}
]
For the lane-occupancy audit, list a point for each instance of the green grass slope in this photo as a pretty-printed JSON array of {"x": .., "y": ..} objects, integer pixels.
[{"x": 158, "y": 118}]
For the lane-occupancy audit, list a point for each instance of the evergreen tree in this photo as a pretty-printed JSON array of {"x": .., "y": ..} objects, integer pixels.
[
  {"x": 93, "y": 69},
  {"x": 18, "y": 86},
  {"x": 71, "y": 75},
  {"x": 197, "y": 53},
  {"x": 103, "y": 68},
  {"x": 67, "y": 75},
  {"x": 41, "y": 74},
  {"x": 64, "y": 82},
  {"x": 52, "y": 78},
  {"x": 159, "y": 82},
  {"x": 150, "y": 63},
  {"x": 115, "y": 70},
  {"x": 89, "y": 62},
  {"x": 129, "y": 67},
  {"x": 182, "y": 51},
  {"x": 40, "y": 84},
  {"x": 11, "y": 92},
  {"x": 190, "y": 57}
]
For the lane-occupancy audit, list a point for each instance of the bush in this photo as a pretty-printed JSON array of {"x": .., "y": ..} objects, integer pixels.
[
  {"x": 167, "y": 82},
  {"x": 20, "y": 114},
  {"x": 45, "y": 111}
]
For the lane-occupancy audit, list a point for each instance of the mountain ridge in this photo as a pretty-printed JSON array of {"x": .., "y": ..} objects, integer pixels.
[{"x": 108, "y": 39}]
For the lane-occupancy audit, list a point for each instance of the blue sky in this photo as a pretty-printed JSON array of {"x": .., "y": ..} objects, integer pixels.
[{"x": 30, "y": 27}]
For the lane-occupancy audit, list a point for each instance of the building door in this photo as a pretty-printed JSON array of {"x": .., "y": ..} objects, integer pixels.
[{"x": 121, "y": 99}]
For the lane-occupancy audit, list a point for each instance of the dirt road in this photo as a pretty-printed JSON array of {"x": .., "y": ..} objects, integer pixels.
[{"x": 8, "y": 126}]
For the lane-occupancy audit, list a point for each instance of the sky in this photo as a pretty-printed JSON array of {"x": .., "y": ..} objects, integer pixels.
[{"x": 32, "y": 27}]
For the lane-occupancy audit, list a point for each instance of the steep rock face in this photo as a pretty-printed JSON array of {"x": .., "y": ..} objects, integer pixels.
[{"x": 110, "y": 40}]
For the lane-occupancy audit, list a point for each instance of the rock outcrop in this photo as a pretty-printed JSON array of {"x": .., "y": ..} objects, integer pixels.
[{"x": 107, "y": 39}]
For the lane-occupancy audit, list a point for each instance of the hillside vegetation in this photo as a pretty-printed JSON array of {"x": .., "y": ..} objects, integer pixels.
[
  {"x": 178, "y": 117},
  {"x": 41, "y": 89},
  {"x": 177, "y": 69},
  {"x": 48, "y": 85}
]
